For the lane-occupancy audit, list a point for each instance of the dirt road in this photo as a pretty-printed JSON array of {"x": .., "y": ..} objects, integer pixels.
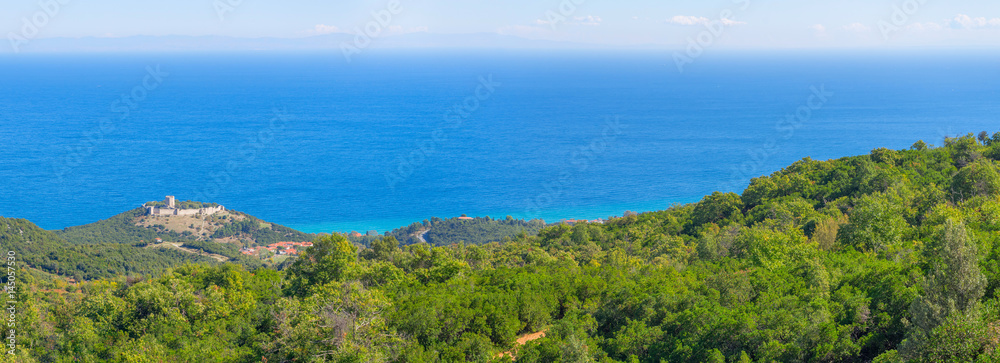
[{"x": 177, "y": 245}]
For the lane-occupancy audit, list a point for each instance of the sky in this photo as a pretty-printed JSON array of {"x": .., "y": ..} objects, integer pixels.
[{"x": 670, "y": 23}]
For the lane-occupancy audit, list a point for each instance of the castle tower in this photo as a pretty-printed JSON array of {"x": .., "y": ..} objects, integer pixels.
[{"x": 170, "y": 202}]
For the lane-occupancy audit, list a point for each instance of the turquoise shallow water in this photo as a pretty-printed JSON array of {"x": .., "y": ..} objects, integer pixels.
[{"x": 311, "y": 142}]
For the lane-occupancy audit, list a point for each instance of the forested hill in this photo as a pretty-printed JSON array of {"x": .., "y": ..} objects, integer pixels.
[
  {"x": 124, "y": 245},
  {"x": 479, "y": 230},
  {"x": 893, "y": 256},
  {"x": 135, "y": 225},
  {"x": 46, "y": 251},
  {"x": 120, "y": 228}
]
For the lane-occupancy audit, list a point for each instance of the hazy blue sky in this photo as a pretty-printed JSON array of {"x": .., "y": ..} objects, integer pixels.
[{"x": 762, "y": 23}]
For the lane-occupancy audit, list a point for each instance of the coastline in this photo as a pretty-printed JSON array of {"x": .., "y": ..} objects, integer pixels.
[{"x": 550, "y": 216}]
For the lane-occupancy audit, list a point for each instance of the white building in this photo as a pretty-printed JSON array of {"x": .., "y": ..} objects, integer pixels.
[{"x": 171, "y": 209}]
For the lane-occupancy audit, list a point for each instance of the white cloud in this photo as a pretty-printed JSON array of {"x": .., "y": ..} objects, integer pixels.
[
  {"x": 326, "y": 29},
  {"x": 591, "y": 20},
  {"x": 588, "y": 20},
  {"x": 687, "y": 20},
  {"x": 857, "y": 27},
  {"x": 699, "y": 20},
  {"x": 819, "y": 28},
  {"x": 962, "y": 21},
  {"x": 732, "y": 22}
]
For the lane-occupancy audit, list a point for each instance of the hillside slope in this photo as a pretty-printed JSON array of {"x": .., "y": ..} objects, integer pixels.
[
  {"x": 477, "y": 231},
  {"x": 135, "y": 226},
  {"x": 48, "y": 252},
  {"x": 121, "y": 228}
]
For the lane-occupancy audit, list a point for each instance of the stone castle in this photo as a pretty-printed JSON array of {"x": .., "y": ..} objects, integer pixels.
[{"x": 171, "y": 209}]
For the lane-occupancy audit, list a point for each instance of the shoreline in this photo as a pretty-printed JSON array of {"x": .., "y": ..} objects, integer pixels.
[{"x": 549, "y": 216}]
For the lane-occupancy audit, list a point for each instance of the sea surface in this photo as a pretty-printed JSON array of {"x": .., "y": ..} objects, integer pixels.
[{"x": 313, "y": 142}]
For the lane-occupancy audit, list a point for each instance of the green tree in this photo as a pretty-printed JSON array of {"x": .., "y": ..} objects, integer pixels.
[
  {"x": 382, "y": 249},
  {"x": 885, "y": 156},
  {"x": 331, "y": 258},
  {"x": 960, "y": 338},
  {"x": 953, "y": 290},
  {"x": 768, "y": 244},
  {"x": 825, "y": 233},
  {"x": 978, "y": 178},
  {"x": 339, "y": 322},
  {"x": 875, "y": 223},
  {"x": 964, "y": 150},
  {"x": 717, "y": 208},
  {"x": 574, "y": 351}
]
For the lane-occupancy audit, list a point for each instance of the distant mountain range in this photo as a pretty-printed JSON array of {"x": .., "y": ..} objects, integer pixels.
[{"x": 332, "y": 42}]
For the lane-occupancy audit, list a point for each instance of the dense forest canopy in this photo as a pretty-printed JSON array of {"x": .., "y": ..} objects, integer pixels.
[
  {"x": 48, "y": 252},
  {"x": 885, "y": 257}
]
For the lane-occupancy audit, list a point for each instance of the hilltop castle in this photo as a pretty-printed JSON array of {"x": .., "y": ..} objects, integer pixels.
[{"x": 170, "y": 209}]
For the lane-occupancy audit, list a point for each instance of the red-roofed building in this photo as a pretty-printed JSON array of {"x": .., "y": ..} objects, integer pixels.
[{"x": 288, "y": 245}]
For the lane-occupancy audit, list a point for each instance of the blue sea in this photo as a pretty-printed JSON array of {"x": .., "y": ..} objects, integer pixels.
[{"x": 395, "y": 137}]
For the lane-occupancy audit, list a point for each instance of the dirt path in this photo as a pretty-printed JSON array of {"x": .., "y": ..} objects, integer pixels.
[
  {"x": 177, "y": 245},
  {"x": 524, "y": 339},
  {"x": 421, "y": 236}
]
